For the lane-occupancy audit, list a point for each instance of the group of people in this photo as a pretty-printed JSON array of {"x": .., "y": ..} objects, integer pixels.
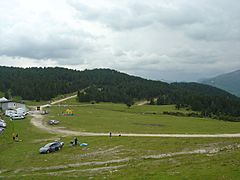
[
  {"x": 15, "y": 137},
  {"x": 74, "y": 142}
]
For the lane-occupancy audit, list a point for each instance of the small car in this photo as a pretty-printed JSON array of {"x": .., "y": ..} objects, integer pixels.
[
  {"x": 53, "y": 122},
  {"x": 51, "y": 147},
  {"x": 17, "y": 116},
  {"x": 10, "y": 113},
  {"x": 44, "y": 112},
  {"x": 2, "y": 124}
]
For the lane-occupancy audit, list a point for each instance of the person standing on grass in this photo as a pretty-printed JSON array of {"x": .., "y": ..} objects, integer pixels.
[
  {"x": 13, "y": 137},
  {"x": 75, "y": 141},
  {"x": 16, "y": 137},
  {"x": 110, "y": 134}
]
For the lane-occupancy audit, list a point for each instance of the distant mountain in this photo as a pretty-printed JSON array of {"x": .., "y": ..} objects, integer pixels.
[{"x": 229, "y": 82}]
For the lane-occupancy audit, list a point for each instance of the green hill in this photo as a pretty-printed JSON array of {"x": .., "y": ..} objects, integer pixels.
[
  {"x": 108, "y": 85},
  {"x": 229, "y": 82}
]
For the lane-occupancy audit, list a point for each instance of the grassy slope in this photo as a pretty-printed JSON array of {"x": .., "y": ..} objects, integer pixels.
[
  {"x": 24, "y": 155},
  {"x": 106, "y": 117}
]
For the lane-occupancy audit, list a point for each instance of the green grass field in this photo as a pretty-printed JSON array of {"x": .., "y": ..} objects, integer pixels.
[
  {"x": 106, "y": 117},
  {"x": 21, "y": 160}
]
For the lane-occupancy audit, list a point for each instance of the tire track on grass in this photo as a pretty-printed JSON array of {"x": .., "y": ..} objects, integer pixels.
[{"x": 62, "y": 169}]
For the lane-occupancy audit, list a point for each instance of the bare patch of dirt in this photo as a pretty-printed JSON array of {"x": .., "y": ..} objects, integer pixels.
[
  {"x": 59, "y": 173},
  {"x": 46, "y": 140},
  {"x": 153, "y": 125},
  {"x": 66, "y": 166},
  {"x": 209, "y": 150},
  {"x": 102, "y": 152},
  {"x": 95, "y": 170}
]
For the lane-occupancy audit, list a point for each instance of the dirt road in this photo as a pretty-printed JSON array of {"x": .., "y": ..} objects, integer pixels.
[{"x": 58, "y": 101}]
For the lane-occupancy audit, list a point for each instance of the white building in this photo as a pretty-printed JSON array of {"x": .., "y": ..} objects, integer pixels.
[
  {"x": 3, "y": 100},
  {"x": 6, "y": 104}
]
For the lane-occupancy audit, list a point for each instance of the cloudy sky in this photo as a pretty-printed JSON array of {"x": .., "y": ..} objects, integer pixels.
[{"x": 173, "y": 40}]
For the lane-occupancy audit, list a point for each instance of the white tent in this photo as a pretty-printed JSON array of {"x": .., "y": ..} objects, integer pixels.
[{"x": 3, "y": 99}]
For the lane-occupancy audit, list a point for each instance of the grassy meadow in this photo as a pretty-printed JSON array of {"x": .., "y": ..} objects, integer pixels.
[
  {"x": 118, "y": 118},
  {"x": 120, "y": 157}
]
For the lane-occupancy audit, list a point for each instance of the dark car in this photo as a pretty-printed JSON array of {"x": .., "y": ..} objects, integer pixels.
[
  {"x": 51, "y": 147},
  {"x": 53, "y": 122}
]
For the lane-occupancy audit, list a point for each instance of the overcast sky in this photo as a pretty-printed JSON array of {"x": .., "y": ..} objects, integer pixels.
[{"x": 174, "y": 40}]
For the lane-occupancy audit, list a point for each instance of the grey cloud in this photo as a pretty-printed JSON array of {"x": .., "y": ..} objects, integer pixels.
[
  {"x": 42, "y": 35},
  {"x": 210, "y": 21},
  {"x": 53, "y": 44},
  {"x": 117, "y": 18},
  {"x": 52, "y": 47},
  {"x": 118, "y": 53},
  {"x": 138, "y": 14},
  {"x": 196, "y": 56}
]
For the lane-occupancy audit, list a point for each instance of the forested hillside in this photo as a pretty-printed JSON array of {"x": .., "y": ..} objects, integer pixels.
[
  {"x": 45, "y": 83},
  {"x": 111, "y": 86}
]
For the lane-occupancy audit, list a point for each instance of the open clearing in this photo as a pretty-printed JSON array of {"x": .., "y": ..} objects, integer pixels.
[
  {"x": 37, "y": 121},
  {"x": 136, "y": 121},
  {"x": 122, "y": 157}
]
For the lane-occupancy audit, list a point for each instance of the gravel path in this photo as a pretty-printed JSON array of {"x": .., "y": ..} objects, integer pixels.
[{"x": 58, "y": 101}]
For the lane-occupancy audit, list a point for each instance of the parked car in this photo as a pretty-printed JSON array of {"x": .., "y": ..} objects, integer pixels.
[
  {"x": 44, "y": 112},
  {"x": 2, "y": 124},
  {"x": 9, "y": 113},
  {"x": 21, "y": 111},
  {"x": 53, "y": 122},
  {"x": 1, "y": 130},
  {"x": 17, "y": 117},
  {"x": 51, "y": 147}
]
